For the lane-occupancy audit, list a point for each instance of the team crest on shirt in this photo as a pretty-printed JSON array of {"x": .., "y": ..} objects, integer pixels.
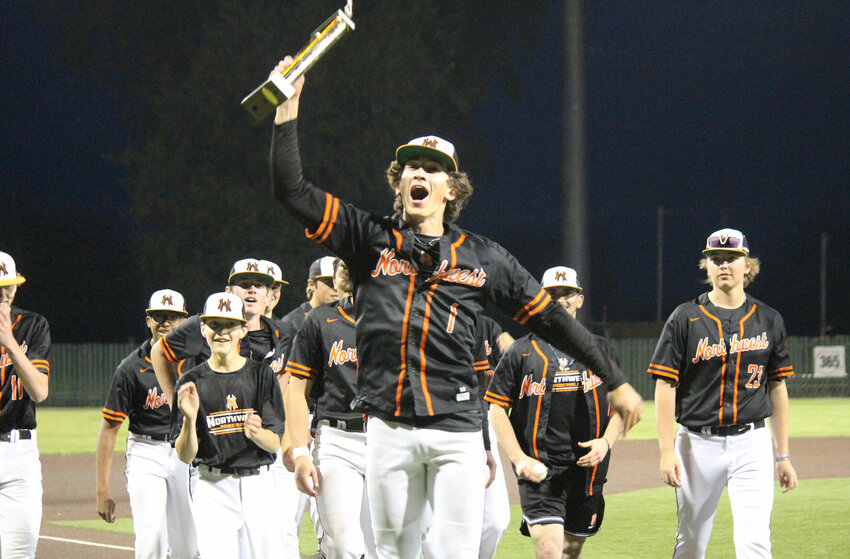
[
  {"x": 340, "y": 355},
  {"x": 706, "y": 350},
  {"x": 230, "y": 404},
  {"x": 154, "y": 400},
  {"x": 564, "y": 363}
]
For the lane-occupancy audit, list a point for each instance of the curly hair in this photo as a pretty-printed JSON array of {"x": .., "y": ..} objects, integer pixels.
[
  {"x": 749, "y": 277},
  {"x": 458, "y": 183}
]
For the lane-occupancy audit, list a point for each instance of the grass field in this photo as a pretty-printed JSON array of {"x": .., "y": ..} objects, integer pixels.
[
  {"x": 74, "y": 430},
  {"x": 638, "y": 524}
]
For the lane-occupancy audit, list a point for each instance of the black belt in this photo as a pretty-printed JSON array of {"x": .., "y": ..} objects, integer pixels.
[
  {"x": 234, "y": 471},
  {"x": 163, "y": 437},
  {"x": 355, "y": 425},
  {"x": 23, "y": 434},
  {"x": 727, "y": 430}
]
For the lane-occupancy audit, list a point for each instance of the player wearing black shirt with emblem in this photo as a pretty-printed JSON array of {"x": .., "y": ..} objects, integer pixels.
[
  {"x": 231, "y": 426},
  {"x": 558, "y": 436}
]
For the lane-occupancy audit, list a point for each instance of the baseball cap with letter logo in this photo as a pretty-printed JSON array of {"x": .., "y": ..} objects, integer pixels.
[
  {"x": 8, "y": 272},
  {"x": 274, "y": 270},
  {"x": 167, "y": 300},
  {"x": 727, "y": 240},
  {"x": 430, "y": 147},
  {"x": 224, "y": 305},
  {"x": 250, "y": 268},
  {"x": 560, "y": 276}
]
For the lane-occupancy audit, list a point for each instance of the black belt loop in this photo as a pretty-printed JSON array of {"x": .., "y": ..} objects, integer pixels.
[
  {"x": 161, "y": 438},
  {"x": 23, "y": 435},
  {"x": 727, "y": 430}
]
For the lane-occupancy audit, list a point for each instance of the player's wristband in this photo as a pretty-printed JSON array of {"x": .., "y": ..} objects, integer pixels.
[
  {"x": 299, "y": 451},
  {"x": 782, "y": 457},
  {"x": 606, "y": 442}
]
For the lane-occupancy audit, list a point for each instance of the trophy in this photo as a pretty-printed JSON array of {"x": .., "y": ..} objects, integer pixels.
[{"x": 278, "y": 88}]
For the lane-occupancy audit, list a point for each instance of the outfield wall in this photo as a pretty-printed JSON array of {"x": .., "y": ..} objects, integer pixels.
[{"x": 81, "y": 373}]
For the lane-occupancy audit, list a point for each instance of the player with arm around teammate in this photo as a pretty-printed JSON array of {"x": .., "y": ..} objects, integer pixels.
[
  {"x": 157, "y": 481},
  {"x": 323, "y": 364},
  {"x": 24, "y": 381},
  {"x": 420, "y": 284},
  {"x": 231, "y": 422},
  {"x": 558, "y": 436},
  {"x": 719, "y": 367}
]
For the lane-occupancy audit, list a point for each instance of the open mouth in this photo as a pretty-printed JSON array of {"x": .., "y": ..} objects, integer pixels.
[{"x": 418, "y": 192}]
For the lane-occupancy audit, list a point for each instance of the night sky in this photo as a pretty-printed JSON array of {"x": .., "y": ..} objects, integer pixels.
[{"x": 724, "y": 113}]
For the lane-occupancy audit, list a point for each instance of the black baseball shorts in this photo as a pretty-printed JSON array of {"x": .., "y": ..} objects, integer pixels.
[{"x": 561, "y": 499}]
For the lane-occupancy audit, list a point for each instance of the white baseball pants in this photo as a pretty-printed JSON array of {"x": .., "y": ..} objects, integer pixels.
[
  {"x": 158, "y": 484},
  {"x": 497, "y": 507},
  {"x": 288, "y": 506},
  {"x": 236, "y": 517},
  {"x": 408, "y": 468},
  {"x": 20, "y": 497},
  {"x": 742, "y": 463},
  {"x": 340, "y": 458}
]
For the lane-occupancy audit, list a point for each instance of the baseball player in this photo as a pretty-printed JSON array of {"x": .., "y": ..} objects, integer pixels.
[
  {"x": 231, "y": 426},
  {"x": 157, "y": 481},
  {"x": 719, "y": 367},
  {"x": 24, "y": 379},
  {"x": 274, "y": 293},
  {"x": 320, "y": 291},
  {"x": 420, "y": 283},
  {"x": 558, "y": 436},
  {"x": 497, "y": 511},
  {"x": 323, "y": 364}
]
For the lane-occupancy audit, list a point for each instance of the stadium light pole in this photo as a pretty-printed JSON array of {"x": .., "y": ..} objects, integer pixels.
[{"x": 574, "y": 192}]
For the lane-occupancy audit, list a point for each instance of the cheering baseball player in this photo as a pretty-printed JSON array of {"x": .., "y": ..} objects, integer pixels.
[
  {"x": 274, "y": 293},
  {"x": 719, "y": 367},
  {"x": 558, "y": 436},
  {"x": 157, "y": 481},
  {"x": 24, "y": 378},
  {"x": 420, "y": 284},
  {"x": 323, "y": 364},
  {"x": 231, "y": 426}
]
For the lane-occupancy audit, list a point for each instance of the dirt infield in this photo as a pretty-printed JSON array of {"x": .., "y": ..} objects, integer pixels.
[{"x": 69, "y": 483}]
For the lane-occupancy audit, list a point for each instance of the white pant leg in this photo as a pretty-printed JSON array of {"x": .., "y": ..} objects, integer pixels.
[
  {"x": 288, "y": 502},
  {"x": 456, "y": 478},
  {"x": 20, "y": 498},
  {"x": 259, "y": 507},
  {"x": 182, "y": 537},
  {"x": 497, "y": 507},
  {"x": 340, "y": 458},
  {"x": 216, "y": 505},
  {"x": 751, "y": 492},
  {"x": 396, "y": 484},
  {"x": 146, "y": 473},
  {"x": 703, "y": 479}
]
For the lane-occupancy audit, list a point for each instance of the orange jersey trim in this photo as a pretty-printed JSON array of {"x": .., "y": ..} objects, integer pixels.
[
  {"x": 345, "y": 315},
  {"x": 328, "y": 220},
  {"x": 738, "y": 369},
  {"x": 454, "y": 246},
  {"x": 723, "y": 362},
  {"x": 404, "y": 326},
  {"x": 532, "y": 308},
  {"x": 301, "y": 371},
  {"x": 111, "y": 415},
  {"x": 498, "y": 399},
  {"x": 169, "y": 353},
  {"x": 426, "y": 323},
  {"x": 539, "y": 400}
]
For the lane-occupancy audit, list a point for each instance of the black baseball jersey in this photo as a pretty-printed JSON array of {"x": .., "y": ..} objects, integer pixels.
[
  {"x": 555, "y": 402},
  {"x": 135, "y": 393},
  {"x": 325, "y": 353},
  {"x": 489, "y": 332},
  {"x": 266, "y": 344},
  {"x": 225, "y": 399},
  {"x": 720, "y": 361},
  {"x": 291, "y": 323},
  {"x": 31, "y": 330},
  {"x": 416, "y": 331}
]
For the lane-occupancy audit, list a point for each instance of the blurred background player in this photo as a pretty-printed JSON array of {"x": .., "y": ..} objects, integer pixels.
[
  {"x": 719, "y": 370},
  {"x": 559, "y": 422},
  {"x": 24, "y": 378},
  {"x": 274, "y": 293},
  {"x": 323, "y": 364},
  {"x": 320, "y": 291},
  {"x": 157, "y": 481},
  {"x": 231, "y": 427},
  {"x": 497, "y": 508}
]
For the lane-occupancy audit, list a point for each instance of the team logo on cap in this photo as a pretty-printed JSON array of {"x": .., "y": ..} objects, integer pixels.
[
  {"x": 724, "y": 238},
  {"x": 430, "y": 142},
  {"x": 3, "y": 269},
  {"x": 252, "y": 267},
  {"x": 166, "y": 300},
  {"x": 560, "y": 275},
  {"x": 231, "y": 402},
  {"x": 224, "y": 305},
  {"x": 270, "y": 270}
]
